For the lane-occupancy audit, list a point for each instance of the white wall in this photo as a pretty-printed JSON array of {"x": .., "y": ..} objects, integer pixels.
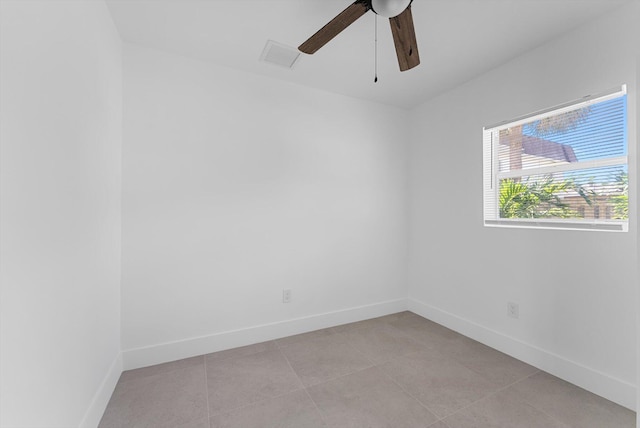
[
  {"x": 577, "y": 291},
  {"x": 236, "y": 187},
  {"x": 638, "y": 240},
  {"x": 61, "y": 116}
]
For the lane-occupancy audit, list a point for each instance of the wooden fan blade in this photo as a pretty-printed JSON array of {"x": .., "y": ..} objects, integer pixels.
[
  {"x": 334, "y": 27},
  {"x": 404, "y": 37}
]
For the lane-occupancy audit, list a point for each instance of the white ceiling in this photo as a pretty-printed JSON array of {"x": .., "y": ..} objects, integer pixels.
[{"x": 457, "y": 39}]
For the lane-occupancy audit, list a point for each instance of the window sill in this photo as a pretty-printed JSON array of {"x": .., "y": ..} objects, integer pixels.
[{"x": 603, "y": 226}]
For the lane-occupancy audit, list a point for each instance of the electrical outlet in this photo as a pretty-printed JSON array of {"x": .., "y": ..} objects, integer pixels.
[
  {"x": 286, "y": 296},
  {"x": 513, "y": 310}
]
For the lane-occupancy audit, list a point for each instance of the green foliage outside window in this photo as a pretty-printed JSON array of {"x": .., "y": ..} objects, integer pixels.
[
  {"x": 539, "y": 199},
  {"x": 545, "y": 198},
  {"x": 621, "y": 201}
]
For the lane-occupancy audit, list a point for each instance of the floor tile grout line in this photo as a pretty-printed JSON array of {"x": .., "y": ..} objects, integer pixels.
[
  {"x": 544, "y": 412},
  {"x": 292, "y": 369},
  {"x": 235, "y": 409},
  {"x": 426, "y": 344},
  {"x": 330, "y": 379},
  {"x": 253, "y": 403},
  {"x": 420, "y": 342},
  {"x": 401, "y": 333},
  {"x": 341, "y": 376},
  {"x": 346, "y": 341},
  {"x": 353, "y": 347},
  {"x": 438, "y": 418},
  {"x": 282, "y": 346},
  {"x": 468, "y": 405},
  {"x": 377, "y": 365},
  {"x": 460, "y": 361},
  {"x": 492, "y": 394},
  {"x": 324, "y": 420},
  {"x": 524, "y": 400},
  {"x": 350, "y": 345},
  {"x": 373, "y": 363},
  {"x": 304, "y": 388},
  {"x": 206, "y": 389},
  {"x": 553, "y": 418}
]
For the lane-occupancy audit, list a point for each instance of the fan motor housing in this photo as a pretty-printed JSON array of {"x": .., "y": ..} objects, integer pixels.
[{"x": 389, "y": 8}]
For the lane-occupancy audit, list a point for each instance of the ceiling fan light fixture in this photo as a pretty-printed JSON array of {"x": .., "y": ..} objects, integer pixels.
[
  {"x": 400, "y": 19},
  {"x": 389, "y": 8}
]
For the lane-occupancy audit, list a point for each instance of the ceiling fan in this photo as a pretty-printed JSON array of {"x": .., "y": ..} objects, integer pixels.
[{"x": 400, "y": 18}]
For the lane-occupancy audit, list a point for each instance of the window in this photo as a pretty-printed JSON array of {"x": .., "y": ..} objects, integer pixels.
[{"x": 558, "y": 168}]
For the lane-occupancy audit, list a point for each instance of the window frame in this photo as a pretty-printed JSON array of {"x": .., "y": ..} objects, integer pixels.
[{"x": 492, "y": 174}]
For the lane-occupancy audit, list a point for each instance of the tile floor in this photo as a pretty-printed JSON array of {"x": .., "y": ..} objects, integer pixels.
[{"x": 396, "y": 371}]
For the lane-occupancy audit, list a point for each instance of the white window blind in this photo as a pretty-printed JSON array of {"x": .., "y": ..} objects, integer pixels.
[{"x": 564, "y": 167}]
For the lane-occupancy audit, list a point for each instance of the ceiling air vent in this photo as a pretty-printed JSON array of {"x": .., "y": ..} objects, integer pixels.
[{"x": 279, "y": 54}]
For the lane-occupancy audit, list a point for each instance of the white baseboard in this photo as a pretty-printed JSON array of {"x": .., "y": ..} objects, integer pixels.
[
  {"x": 599, "y": 383},
  {"x": 103, "y": 395},
  {"x": 171, "y": 351}
]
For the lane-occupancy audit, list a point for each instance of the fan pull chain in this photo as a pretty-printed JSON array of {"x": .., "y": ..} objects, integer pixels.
[{"x": 376, "y": 49}]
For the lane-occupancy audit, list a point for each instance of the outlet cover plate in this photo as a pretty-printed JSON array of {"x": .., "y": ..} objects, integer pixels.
[{"x": 513, "y": 310}]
